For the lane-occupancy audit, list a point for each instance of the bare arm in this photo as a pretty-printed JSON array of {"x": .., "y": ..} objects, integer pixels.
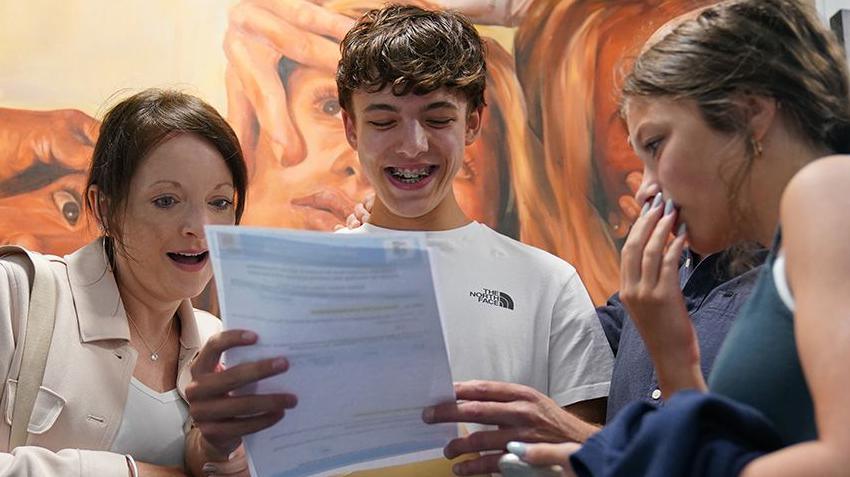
[
  {"x": 591, "y": 413},
  {"x": 816, "y": 242}
]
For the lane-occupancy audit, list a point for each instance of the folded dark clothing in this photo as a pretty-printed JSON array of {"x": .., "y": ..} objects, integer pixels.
[{"x": 694, "y": 435}]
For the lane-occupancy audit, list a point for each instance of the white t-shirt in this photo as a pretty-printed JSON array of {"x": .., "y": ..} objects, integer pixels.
[
  {"x": 511, "y": 313},
  {"x": 514, "y": 313},
  {"x": 150, "y": 413}
]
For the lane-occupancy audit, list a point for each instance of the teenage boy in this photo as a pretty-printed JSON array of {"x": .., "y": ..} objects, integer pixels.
[{"x": 411, "y": 86}]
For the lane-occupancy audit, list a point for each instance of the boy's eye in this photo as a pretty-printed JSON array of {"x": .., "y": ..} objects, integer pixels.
[
  {"x": 164, "y": 202},
  {"x": 441, "y": 122},
  {"x": 381, "y": 124}
]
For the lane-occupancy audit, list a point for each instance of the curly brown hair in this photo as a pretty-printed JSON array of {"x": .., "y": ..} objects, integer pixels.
[{"x": 413, "y": 50}]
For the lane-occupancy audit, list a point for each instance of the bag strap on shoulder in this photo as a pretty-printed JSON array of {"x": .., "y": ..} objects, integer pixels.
[{"x": 39, "y": 333}]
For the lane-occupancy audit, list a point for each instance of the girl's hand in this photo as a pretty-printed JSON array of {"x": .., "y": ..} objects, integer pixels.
[
  {"x": 545, "y": 454},
  {"x": 649, "y": 287}
]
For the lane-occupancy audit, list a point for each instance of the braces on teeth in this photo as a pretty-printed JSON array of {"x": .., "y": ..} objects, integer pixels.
[{"x": 410, "y": 175}]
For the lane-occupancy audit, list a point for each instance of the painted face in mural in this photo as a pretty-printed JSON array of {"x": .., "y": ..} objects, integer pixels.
[
  {"x": 43, "y": 160},
  {"x": 411, "y": 147},
  {"x": 320, "y": 191},
  {"x": 182, "y": 185}
]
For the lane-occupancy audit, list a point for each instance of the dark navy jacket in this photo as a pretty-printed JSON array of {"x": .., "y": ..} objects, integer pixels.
[
  {"x": 713, "y": 297},
  {"x": 695, "y": 435}
]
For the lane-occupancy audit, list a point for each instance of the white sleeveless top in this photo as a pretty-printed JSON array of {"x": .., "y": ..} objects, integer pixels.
[{"x": 152, "y": 427}]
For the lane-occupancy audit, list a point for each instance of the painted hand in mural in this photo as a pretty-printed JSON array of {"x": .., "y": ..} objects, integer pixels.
[
  {"x": 259, "y": 35},
  {"x": 33, "y": 139},
  {"x": 282, "y": 102},
  {"x": 629, "y": 207},
  {"x": 45, "y": 157}
]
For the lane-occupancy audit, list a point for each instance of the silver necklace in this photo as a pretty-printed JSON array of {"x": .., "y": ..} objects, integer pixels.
[{"x": 154, "y": 353}]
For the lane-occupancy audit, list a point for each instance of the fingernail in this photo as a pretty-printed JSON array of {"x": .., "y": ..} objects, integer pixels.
[
  {"x": 668, "y": 207},
  {"x": 209, "y": 469},
  {"x": 293, "y": 401},
  {"x": 517, "y": 448},
  {"x": 683, "y": 229},
  {"x": 249, "y": 336},
  {"x": 456, "y": 469},
  {"x": 645, "y": 209},
  {"x": 656, "y": 201},
  {"x": 233, "y": 454},
  {"x": 428, "y": 415},
  {"x": 279, "y": 364}
]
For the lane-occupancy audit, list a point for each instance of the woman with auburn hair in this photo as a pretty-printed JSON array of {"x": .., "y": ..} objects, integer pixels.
[
  {"x": 115, "y": 361},
  {"x": 741, "y": 115}
]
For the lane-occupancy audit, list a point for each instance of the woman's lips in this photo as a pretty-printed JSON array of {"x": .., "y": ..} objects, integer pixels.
[
  {"x": 191, "y": 261},
  {"x": 325, "y": 208}
]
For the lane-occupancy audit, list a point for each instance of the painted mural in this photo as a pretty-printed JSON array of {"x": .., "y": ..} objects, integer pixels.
[{"x": 553, "y": 167}]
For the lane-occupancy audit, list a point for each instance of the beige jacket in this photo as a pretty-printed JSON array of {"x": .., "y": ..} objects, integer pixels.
[{"x": 80, "y": 404}]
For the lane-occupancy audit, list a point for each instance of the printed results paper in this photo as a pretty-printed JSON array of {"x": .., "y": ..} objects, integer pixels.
[{"x": 358, "y": 320}]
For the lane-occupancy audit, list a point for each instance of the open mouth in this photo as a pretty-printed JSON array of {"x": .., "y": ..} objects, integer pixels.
[
  {"x": 187, "y": 258},
  {"x": 410, "y": 175}
]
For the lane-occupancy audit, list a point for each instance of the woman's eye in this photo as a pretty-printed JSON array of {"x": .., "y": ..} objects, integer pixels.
[
  {"x": 331, "y": 107},
  {"x": 164, "y": 202},
  {"x": 69, "y": 205},
  {"x": 222, "y": 204},
  {"x": 325, "y": 100}
]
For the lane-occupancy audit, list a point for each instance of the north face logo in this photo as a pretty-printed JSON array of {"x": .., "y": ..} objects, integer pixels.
[{"x": 494, "y": 297}]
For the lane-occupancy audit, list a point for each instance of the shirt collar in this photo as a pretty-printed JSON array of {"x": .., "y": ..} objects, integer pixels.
[{"x": 100, "y": 312}]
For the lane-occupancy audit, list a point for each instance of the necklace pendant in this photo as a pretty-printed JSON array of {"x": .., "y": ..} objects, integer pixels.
[{"x": 154, "y": 356}]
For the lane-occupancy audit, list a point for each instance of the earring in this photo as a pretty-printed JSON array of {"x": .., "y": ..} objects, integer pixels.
[{"x": 756, "y": 146}]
